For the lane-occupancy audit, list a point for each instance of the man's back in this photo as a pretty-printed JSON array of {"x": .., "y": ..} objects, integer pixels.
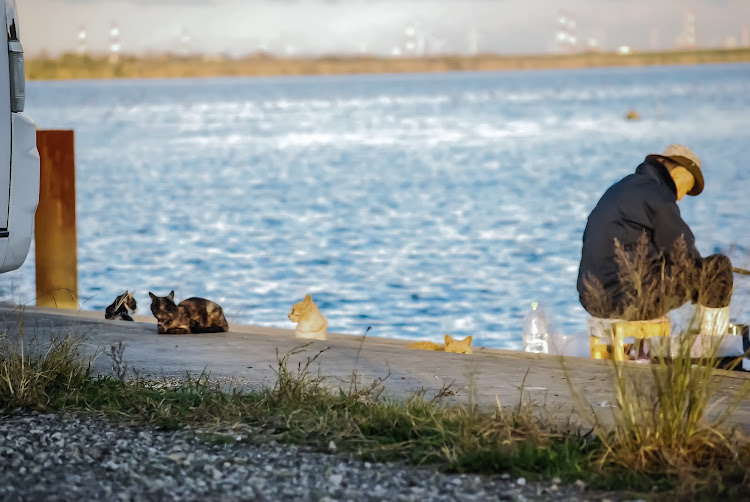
[{"x": 644, "y": 201}]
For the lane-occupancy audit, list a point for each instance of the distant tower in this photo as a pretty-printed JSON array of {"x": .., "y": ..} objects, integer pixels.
[
  {"x": 593, "y": 45},
  {"x": 421, "y": 41},
  {"x": 114, "y": 44},
  {"x": 566, "y": 38},
  {"x": 185, "y": 42},
  {"x": 654, "y": 39},
  {"x": 472, "y": 42},
  {"x": 410, "y": 39},
  {"x": 414, "y": 39},
  {"x": 82, "y": 41},
  {"x": 688, "y": 31},
  {"x": 264, "y": 45},
  {"x": 436, "y": 45}
]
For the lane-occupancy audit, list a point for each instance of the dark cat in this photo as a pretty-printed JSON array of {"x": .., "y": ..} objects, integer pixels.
[
  {"x": 122, "y": 307},
  {"x": 194, "y": 315}
]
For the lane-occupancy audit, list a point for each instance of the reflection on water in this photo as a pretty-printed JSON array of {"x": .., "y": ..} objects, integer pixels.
[{"x": 416, "y": 204}]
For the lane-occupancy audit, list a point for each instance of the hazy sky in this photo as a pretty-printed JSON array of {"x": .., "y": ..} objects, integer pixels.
[{"x": 349, "y": 26}]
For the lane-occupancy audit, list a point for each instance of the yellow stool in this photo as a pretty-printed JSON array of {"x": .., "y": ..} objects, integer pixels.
[
  {"x": 599, "y": 350},
  {"x": 616, "y": 331}
]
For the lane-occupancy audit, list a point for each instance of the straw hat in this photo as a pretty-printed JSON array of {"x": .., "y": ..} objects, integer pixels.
[{"x": 687, "y": 159}]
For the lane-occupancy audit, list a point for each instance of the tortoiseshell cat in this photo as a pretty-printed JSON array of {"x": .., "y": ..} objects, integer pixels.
[
  {"x": 194, "y": 315},
  {"x": 123, "y": 306}
]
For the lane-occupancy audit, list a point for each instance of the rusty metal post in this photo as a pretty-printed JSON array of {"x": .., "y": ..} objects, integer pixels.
[{"x": 55, "y": 221}]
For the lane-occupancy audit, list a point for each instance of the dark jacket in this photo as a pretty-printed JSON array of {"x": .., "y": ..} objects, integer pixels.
[{"x": 643, "y": 201}]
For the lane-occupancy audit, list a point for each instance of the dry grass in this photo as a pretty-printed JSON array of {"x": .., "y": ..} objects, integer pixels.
[
  {"x": 667, "y": 432},
  {"x": 660, "y": 437},
  {"x": 667, "y": 421},
  {"x": 30, "y": 374},
  {"x": 300, "y": 407}
]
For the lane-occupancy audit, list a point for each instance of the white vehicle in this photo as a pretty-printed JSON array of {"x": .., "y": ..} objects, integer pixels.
[{"x": 19, "y": 159}]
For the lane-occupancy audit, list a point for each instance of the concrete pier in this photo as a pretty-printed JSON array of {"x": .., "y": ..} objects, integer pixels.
[{"x": 246, "y": 357}]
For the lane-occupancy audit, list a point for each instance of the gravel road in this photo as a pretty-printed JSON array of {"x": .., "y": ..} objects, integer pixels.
[{"x": 53, "y": 458}]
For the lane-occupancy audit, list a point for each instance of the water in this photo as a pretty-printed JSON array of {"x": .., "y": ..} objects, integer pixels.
[{"x": 416, "y": 204}]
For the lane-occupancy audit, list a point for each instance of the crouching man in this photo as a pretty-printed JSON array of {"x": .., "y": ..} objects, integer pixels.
[{"x": 639, "y": 259}]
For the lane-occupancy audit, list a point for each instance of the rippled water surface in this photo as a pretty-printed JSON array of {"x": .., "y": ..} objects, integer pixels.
[{"x": 415, "y": 204}]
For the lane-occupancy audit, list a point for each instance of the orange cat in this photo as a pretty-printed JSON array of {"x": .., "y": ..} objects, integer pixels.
[
  {"x": 451, "y": 345},
  {"x": 310, "y": 322}
]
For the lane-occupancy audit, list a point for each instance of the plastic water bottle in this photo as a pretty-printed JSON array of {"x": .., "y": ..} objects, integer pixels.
[{"x": 535, "y": 330}]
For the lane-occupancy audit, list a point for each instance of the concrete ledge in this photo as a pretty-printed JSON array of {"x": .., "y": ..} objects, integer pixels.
[{"x": 246, "y": 356}]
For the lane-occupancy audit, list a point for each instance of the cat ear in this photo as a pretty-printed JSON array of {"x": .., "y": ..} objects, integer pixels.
[
  {"x": 171, "y": 295},
  {"x": 153, "y": 296},
  {"x": 448, "y": 338},
  {"x": 308, "y": 298},
  {"x": 468, "y": 339}
]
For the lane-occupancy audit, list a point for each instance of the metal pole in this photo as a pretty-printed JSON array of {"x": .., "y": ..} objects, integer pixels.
[{"x": 55, "y": 222}]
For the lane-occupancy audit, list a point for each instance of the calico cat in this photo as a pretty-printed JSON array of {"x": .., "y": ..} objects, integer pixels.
[
  {"x": 123, "y": 306},
  {"x": 310, "y": 322},
  {"x": 451, "y": 345},
  {"x": 194, "y": 315}
]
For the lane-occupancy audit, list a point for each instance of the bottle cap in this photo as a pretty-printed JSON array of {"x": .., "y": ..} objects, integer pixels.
[{"x": 534, "y": 305}]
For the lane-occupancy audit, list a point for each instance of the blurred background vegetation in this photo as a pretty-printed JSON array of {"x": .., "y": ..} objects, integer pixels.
[{"x": 73, "y": 66}]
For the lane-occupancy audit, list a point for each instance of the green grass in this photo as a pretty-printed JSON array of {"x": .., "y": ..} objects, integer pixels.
[
  {"x": 299, "y": 408},
  {"x": 34, "y": 375},
  {"x": 662, "y": 435}
]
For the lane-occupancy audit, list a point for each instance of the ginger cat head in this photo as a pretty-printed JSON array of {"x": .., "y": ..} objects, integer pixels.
[
  {"x": 311, "y": 323},
  {"x": 458, "y": 346},
  {"x": 299, "y": 309}
]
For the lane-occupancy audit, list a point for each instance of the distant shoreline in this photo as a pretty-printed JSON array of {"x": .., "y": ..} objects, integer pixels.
[{"x": 70, "y": 66}]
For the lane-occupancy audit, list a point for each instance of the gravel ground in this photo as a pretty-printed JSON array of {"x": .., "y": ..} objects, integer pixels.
[{"x": 53, "y": 458}]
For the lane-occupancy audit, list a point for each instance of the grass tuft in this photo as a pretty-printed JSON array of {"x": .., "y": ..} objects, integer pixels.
[
  {"x": 661, "y": 436},
  {"x": 31, "y": 374},
  {"x": 668, "y": 423}
]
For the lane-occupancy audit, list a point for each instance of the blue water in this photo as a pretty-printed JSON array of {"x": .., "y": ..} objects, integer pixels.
[{"x": 415, "y": 204}]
